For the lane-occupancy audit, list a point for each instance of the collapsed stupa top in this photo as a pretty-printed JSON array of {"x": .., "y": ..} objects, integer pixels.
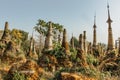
[
  {"x": 64, "y": 42},
  {"x": 6, "y": 34}
]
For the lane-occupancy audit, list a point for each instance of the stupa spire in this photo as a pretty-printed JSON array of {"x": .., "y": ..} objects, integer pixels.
[
  {"x": 94, "y": 32},
  {"x": 110, "y": 36}
]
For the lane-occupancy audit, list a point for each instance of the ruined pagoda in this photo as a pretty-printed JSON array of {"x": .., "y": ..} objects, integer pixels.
[
  {"x": 72, "y": 42},
  {"x": 6, "y": 35},
  {"x": 49, "y": 38},
  {"x": 84, "y": 41},
  {"x": 94, "y": 33},
  {"x": 110, "y": 35},
  {"x": 81, "y": 41},
  {"x": 32, "y": 42},
  {"x": 65, "y": 42}
]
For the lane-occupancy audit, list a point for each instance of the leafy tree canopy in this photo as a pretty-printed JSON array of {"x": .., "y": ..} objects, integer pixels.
[{"x": 42, "y": 27}]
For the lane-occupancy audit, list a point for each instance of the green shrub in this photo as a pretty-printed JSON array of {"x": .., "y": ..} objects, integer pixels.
[
  {"x": 73, "y": 55},
  {"x": 18, "y": 76},
  {"x": 2, "y": 46},
  {"x": 58, "y": 51},
  {"x": 91, "y": 60},
  {"x": 15, "y": 76}
]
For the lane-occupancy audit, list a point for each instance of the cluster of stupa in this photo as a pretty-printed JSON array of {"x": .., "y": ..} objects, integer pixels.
[
  {"x": 6, "y": 40},
  {"x": 5, "y": 36},
  {"x": 49, "y": 40},
  {"x": 83, "y": 44}
]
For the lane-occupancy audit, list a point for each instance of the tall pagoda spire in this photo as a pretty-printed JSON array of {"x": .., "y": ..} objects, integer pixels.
[
  {"x": 84, "y": 41},
  {"x": 94, "y": 33},
  {"x": 109, "y": 19},
  {"x": 110, "y": 36}
]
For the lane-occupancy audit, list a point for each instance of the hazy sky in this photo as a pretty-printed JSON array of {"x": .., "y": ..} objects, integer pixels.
[{"x": 75, "y": 15}]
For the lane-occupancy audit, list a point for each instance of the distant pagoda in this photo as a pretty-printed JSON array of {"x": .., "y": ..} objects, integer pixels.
[
  {"x": 49, "y": 38},
  {"x": 84, "y": 41},
  {"x": 94, "y": 33},
  {"x": 65, "y": 42},
  {"x": 6, "y": 35},
  {"x": 72, "y": 42},
  {"x": 81, "y": 41},
  {"x": 110, "y": 35}
]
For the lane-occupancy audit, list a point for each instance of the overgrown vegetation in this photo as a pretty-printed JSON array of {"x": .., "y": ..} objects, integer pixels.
[
  {"x": 50, "y": 64},
  {"x": 15, "y": 76}
]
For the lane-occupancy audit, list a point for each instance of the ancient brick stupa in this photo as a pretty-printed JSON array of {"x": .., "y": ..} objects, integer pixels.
[
  {"x": 89, "y": 50},
  {"x": 59, "y": 39},
  {"x": 81, "y": 41},
  {"x": 84, "y": 41},
  {"x": 94, "y": 34},
  {"x": 6, "y": 35},
  {"x": 31, "y": 46},
  {"x": 110, "y": 36},
  {"x": 72, "y": 42},
  {"x": 49, "y": 38},
  {"x": 119, "y": 47},
  {"x": 64, "y": 42},
  {"x": 32, "y": 51}
]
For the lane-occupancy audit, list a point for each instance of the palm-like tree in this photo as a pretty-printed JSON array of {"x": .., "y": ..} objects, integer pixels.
[
  {"x": 40, "y": 27},
  {"x": 57, "y": 29}
]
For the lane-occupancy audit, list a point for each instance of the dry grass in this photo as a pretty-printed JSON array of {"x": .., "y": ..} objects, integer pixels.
[{"x": 71, "y": 76}]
